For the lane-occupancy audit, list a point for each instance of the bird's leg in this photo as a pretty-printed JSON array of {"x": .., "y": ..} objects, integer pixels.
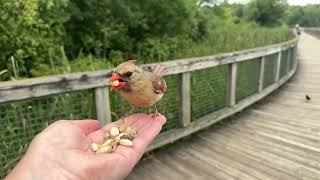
[
  {"x": 127, "y": 114},
  {"x": 155, "y": 113}
]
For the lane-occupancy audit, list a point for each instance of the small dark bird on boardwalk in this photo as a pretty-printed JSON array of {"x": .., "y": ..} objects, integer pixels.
[{"x": 308, "y": 98}]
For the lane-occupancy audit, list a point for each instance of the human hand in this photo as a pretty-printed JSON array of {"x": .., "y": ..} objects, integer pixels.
[{"x": 63, "y": 150}]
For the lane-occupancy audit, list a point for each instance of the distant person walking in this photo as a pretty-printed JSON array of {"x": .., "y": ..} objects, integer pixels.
[{"x": 297, "y": 30}]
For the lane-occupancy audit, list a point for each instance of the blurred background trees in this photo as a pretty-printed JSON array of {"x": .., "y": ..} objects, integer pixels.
[{"x": 43, "y": 37}]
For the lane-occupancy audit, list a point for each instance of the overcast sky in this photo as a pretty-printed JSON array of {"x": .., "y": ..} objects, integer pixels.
[{"x": 291, "y": 2}]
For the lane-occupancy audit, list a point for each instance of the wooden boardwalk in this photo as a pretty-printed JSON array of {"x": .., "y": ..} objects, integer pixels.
[{"x": 278, "y": 138}]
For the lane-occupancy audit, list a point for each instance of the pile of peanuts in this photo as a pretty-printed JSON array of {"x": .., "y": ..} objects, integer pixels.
[{"x": 122, "y": 135}]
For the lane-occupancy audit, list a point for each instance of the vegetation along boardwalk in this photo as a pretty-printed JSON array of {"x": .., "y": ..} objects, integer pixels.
[{"x": 277, "y": 138}]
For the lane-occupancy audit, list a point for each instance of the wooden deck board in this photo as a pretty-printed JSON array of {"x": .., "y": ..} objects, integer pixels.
[{"x": 278, "y": 138}]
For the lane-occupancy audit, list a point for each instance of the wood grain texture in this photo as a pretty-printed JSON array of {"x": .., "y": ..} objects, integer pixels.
[
  {"x": 185, "y": 99},
  {"x": 278, "y": 67},
  {"x": 261, "y": 73},
  {"x": 231, "y": 84},
  {"x": 102, "y": 105}
]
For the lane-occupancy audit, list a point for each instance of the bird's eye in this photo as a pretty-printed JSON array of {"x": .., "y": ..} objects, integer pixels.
[{"x": 127, "y": 74}]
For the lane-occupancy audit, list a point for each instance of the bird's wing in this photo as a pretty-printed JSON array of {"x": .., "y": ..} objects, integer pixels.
[
  {"x": 159, "y": 85},
  {"x": 159, "y": 70}
]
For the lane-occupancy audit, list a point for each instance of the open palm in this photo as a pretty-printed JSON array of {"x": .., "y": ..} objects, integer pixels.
[{"x": 64, "y": 147}]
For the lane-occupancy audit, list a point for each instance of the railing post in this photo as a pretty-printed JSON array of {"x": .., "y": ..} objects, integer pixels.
[
  {"x": 278, "y": 67},
  {"x": 102, "y": 103},
  {"x": 232, "y": 83},
  {"x": 289, "y": 59},
  {"x": 185, "y": 99},
  {"x": 261, "y": 76}
]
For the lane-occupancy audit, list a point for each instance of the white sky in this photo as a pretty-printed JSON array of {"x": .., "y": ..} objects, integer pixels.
[{"x": 291, "y": 2}]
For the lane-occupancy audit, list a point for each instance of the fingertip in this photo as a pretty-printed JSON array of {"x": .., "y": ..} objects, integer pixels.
[{"x": 161, "y": 118}]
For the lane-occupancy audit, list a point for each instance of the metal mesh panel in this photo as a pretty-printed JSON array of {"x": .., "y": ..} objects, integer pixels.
[
  {"x": 247, "y": 78},
  {"x": 292, "y": 58},
  {"x": 284, "y": 63},
  {"x": 270, "y": 70},
  {"x": 168, "y": 105},
  {"x": 208, "y": 90},
  {"x": 22, "y": 120}
]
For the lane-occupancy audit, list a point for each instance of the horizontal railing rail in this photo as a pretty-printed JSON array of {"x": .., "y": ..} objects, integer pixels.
[
  {"x": 315, "y": 31},
  {"x": 43, "y": 86}
]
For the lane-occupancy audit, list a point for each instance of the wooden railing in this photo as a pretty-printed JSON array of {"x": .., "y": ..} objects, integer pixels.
[
  {"x": 315, "y": 31},
  {"x": 44, "y": 86}
]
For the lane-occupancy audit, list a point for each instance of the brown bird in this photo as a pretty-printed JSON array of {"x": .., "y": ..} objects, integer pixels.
[{"x": 139, "y": 87}]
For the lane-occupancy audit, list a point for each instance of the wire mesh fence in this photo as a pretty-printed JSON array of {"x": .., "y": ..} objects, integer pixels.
[
  {"x": 284, "y": 63},
  {"x": 247, "y": 78},
  {"x": 22, "y": 120},
  {"x": 270, "y": 69},
  {"x": 208, "y": 90},
  {"x": 168, "y": 105},
  {"x": 292, "y": 58}
]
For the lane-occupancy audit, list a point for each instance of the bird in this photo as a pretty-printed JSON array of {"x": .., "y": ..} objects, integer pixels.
[
  {"x": 142, "y": 89},
  {"x": 308, "y": 98}
]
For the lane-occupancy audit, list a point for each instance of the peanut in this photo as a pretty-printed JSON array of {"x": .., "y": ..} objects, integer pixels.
[
  {"x": 131, "y": 131},
  {"x": 126, "y": 142},
  {"x": 114, "y": 131},
  {"x": 123, "y": 127},
  {"x": 108, "y": 142},
  {"x": 94, "y": 147},
  {"x": 115, "y": 83},
  {"x": 104, "y": 149}
]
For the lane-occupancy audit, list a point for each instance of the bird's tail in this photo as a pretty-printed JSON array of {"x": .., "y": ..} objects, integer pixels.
[{"x": 160, "y": 70}]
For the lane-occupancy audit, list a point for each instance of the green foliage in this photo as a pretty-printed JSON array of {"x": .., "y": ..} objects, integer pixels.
[
  {"x": 266, "y": 12},
  {"x": 308, "y": 16},
  {"x": 62, "y": 36},
  {"x": 30, "y": 30}
]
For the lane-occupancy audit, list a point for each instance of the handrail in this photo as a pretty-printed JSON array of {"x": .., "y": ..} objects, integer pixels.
[{"x": 37, "y": 87}]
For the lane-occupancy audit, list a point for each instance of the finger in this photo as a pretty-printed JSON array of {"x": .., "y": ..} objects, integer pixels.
[
  {"x": 87, "y": 126},
  {"x": 146, "y": 134}
]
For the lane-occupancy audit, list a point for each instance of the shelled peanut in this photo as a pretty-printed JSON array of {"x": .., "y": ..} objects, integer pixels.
[{"x": 122, "y": 135}]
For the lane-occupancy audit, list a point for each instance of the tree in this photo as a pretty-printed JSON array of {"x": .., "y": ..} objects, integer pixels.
[
  {"x": 266, "y": 12},
  {"x": 31, "y": 30},
  {"x": 308, "y": 15}
]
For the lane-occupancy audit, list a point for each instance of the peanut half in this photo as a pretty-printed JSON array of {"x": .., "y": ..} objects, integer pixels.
[
  {"x": 104, "y": 149},
  {"x": 126, "y": 142},
  {"x": 114, "y": 131},
  {"x": 94, "y": 147},
  {"x": 115, "y": 83}
]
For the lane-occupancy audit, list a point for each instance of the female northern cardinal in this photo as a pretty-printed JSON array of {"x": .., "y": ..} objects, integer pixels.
[{"x": 140, "y": 88}]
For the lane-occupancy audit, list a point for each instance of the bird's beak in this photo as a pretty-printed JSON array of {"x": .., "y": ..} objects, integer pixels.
[{"x": 116, "y": 82}]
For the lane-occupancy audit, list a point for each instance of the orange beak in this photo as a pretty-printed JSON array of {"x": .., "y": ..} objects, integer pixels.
[{"x": 116, "y": 82}]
